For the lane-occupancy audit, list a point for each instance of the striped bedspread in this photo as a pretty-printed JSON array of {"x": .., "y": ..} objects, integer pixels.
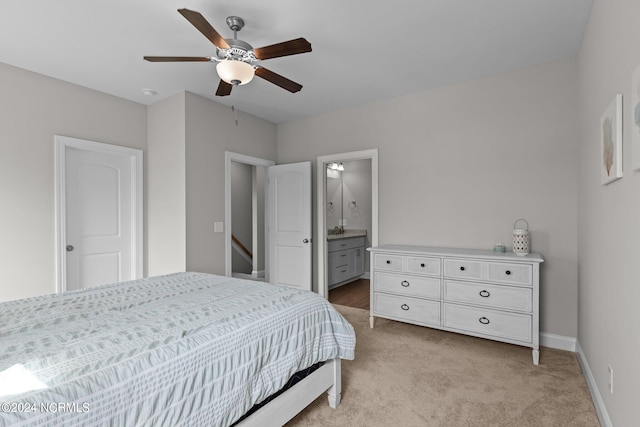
[{"x": 187, "y": 349}]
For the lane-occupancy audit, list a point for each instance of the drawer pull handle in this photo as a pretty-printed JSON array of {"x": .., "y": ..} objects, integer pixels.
[
  {"x": 462, "y": 268},
  {"x": 343, "y": 255},
  {"x": 483, "y": 320},
  {"x": 508, "y": 272},
  {"x": 422, "y": 265},
  {"x": 405, "y": 283},
  {"x": 484, "y": 294},
  {"x": 405, "y": 307},
  {"x": 388, "y": 262},
  {"x": 343, "y": 271},
  {"x": 343, "y": 244}
]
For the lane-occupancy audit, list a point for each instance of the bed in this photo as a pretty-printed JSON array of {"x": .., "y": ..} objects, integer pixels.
[{"x": 188, "y": 349}]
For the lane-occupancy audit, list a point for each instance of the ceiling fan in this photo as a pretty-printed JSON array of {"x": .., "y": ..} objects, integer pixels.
[{"x": 237, "y": 60}]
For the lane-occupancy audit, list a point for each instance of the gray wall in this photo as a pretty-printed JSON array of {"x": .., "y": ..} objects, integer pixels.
[
  {"x": 34, "y": 108},
  {"x": 200, "y": 131},
  {"x": 608, "y": 216},
  {"x": 210, "y": 131},
  {"x": 356, "y": 184},
  {"x": 458, "y": 165},
  {"x": 166, "y": 206}
]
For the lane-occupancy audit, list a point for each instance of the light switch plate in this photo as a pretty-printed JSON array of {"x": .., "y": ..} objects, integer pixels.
[{"x": 218, "y": 227}]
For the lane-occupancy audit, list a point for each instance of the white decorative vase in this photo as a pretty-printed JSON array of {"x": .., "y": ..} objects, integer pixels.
[{"x": 520, "y": 239}]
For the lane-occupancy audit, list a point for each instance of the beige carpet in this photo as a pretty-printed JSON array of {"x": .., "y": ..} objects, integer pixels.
[{"x": 406, "y": 375}]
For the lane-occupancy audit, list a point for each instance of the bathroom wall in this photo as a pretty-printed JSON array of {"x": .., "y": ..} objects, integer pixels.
[{"x": 356, "y": 198}]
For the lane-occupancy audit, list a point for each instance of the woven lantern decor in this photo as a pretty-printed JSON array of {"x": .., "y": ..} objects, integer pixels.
[{"x": 520, "y": 238}]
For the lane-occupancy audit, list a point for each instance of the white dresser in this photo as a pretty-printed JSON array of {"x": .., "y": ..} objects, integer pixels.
[{"x": 475, "y": 292}]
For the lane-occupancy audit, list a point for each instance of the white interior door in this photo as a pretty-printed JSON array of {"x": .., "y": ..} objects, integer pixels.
[
  {"x": 101, "y": 213},
  {"x": 289, "y": 224}
]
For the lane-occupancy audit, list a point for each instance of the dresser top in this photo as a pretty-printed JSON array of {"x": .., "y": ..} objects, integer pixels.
[{"x": 457, "y": 252}]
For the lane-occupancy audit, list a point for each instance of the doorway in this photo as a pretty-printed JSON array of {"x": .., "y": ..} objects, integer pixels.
[
  {"x": 247, "y": 227},
  {"x": 285, "y": 216},
  {"x": 245, "y": 188},
  {"x": 344, "y": 212},
  {"x": 99, "y": 222}
]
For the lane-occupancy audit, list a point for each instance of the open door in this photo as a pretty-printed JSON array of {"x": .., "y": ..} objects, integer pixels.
[{"x": 289, "y": 224}]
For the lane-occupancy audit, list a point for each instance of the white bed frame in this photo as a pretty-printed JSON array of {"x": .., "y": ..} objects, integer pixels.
[{"x": 284, "y": 407}]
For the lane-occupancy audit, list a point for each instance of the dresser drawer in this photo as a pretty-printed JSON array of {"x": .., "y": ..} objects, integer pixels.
[
  {"x": 518, "y": 274},
  {"x": 422, "y": 265},
  {"x": 463, "y": 269},
  {"x": 406, "y": 308},
  {"x": 496, "y": 296},
  {"x": 346, "y": 243},
  {"x": 388, "y": 262},
  {"x": 427, "y": 287},
  {"x": 488, "y": 322}
]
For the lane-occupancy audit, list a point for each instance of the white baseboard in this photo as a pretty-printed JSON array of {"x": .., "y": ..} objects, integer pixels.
[
  {"x": 258, "y": 273},
  {"x": 559, "y": 342},
  {"x": 366, "y": 275},
  {"x": 598, "y": 402}
]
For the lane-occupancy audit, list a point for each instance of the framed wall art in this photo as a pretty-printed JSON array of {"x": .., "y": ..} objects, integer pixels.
[{"x": 611, "y": 142}]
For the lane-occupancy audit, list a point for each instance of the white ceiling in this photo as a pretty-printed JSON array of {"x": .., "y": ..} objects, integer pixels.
[{"x": 363, "y": 50}]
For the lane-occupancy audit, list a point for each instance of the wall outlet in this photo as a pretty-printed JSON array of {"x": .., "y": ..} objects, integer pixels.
[{"x": 610, "y": 378}]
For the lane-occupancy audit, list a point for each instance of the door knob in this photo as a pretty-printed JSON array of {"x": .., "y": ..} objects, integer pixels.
[
  {"x": 305, "y": 240},
  {"x": 69, "y": 248}
]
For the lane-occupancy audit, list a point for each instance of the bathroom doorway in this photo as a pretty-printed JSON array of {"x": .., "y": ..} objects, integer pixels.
[{"x": 347, "y": 212}]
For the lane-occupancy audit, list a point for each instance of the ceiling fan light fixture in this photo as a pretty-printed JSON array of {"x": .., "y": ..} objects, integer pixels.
[{"x": 235, "y": 72}]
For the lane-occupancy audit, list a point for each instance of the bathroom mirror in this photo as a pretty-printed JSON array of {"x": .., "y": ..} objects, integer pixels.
[
  {"x": 348, "y": 197},
  {"x": 334, "y": 198}
]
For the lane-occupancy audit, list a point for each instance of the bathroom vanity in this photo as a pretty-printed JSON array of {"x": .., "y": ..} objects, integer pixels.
[{"x": 345, "y": 252}]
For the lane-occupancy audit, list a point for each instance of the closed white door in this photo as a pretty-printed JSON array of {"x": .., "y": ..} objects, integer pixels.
[
  {"x": 101, "y": 210},
  {"x": 289, "y": 224}
]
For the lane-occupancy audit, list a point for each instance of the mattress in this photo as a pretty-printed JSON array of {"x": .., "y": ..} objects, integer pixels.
[{"x": 182, "y": 349}]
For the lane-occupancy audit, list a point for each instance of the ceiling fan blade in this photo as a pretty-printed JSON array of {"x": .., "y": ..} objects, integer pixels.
[
  {"x": 292, "y": 47},
  {"x": 177, "y": 58},
  {"x": 224, "y": 88},
  {"x": 198, "y": 21},
  {"x": 278, "y": 80}
]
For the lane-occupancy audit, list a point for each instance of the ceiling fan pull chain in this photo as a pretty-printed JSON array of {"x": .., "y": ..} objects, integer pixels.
[{"x": 233, "y": 108}]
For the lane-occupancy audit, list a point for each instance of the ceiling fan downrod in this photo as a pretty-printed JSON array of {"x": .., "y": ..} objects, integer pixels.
[{"x": 235, "y": 23}]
